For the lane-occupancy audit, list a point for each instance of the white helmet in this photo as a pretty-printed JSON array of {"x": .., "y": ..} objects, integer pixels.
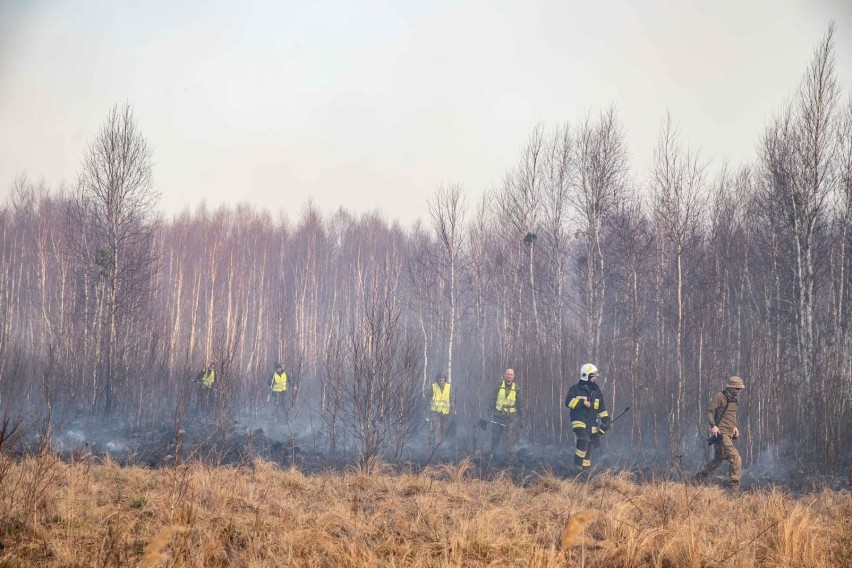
[{"x": 587, "y": 370}]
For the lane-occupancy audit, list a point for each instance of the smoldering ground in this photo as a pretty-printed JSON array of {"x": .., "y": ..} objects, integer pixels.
[{"x": 300, "y": 440}]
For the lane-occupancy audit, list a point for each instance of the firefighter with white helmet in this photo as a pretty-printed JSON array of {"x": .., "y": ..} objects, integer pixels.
[
  {"x": 588, "y": 370},
  {"x": 586, "y": 402}
]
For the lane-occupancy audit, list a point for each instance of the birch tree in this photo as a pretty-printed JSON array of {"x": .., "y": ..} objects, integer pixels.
[
  {"x": 677, "y": 186},
  {"x": 600, "y": 172},
  {"x": 447, "y": 210},
  {"x": 798, "y": 156},
  {"x": 114, "y": 205}
]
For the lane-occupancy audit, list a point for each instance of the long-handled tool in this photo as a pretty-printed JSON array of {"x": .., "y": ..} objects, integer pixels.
[
  {"x": 483, "y": 423},
  {"x": 611, "y": 422},
  {"x": 620, "y": 414},
  {"x": 204, "y": 386}
]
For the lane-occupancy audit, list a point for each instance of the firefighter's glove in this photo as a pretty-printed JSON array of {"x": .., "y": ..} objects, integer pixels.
[{"x": 605, "y": 424}]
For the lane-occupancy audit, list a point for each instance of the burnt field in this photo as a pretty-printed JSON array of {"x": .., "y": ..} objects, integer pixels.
[{"x": 305, "y": 447}]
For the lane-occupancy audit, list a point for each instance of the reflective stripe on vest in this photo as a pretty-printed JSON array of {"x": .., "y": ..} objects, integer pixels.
[
  {"x": 506, "y": 403},
  {"x": 441, "y": 400},
  {"x": 279, "y": 382}
]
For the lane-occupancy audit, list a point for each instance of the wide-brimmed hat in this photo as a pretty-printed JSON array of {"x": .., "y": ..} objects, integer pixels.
[{"x": 735, "y": 383}]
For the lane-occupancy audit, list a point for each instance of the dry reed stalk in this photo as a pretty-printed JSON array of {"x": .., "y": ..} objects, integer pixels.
[
  {"x": 153, "y": 553},
  {"x": 233, "y": 516},
  {"x": 800, "y": 538},
  {"x": 571, "y": 536}
]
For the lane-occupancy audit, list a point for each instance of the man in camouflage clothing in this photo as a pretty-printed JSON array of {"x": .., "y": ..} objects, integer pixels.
[{"x": 722, "y": 421}]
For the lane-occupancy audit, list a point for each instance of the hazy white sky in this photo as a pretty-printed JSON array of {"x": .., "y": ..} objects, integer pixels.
[{"x": 372, "y": 104}]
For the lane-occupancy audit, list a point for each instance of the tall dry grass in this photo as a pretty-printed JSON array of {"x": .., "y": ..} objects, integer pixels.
[{"x": 99, "y": 514}]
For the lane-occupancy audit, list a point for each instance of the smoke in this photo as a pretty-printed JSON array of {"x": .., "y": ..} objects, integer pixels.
[
  {"x": 301, "y": 439},
  {"x": 774, "y": 464},
  {"x": 69, "y": 439}
]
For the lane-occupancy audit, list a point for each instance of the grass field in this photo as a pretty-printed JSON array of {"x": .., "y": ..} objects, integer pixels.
[{"x": 95, "y": 513}]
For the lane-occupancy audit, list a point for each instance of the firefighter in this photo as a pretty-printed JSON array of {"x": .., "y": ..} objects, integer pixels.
[
  {"x": 208, "y": 376},
  {"x": 586, "y": 403},
  {"x": 722, "y": 421},
  {"x": 507, "y": 410},
  {"x": 440, "y": 410},
  {"x": 278, "y": 386}
]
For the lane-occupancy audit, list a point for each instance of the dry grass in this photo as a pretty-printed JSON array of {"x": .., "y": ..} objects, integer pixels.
[{"x": 98, "y": 514}]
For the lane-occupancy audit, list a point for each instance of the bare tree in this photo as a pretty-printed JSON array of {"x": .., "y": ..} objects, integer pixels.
[
  {"x": 844, "y": 137},
  {"x": 447, "y": 211},
  {"x": 677, "y": 185},
  {"x": 384, "y": 393},
  {"x": 520, "y": 206},
  {"x": 111, "y": 215},
  {"x": 554, "y": 255},
  {"x": 798, "y": 155},
  {"x": 422, "y": 288},
  {"x": 334, "y": 365},
  {"x": 482, "y": 272},
  {"x": 844, "y": 264},
  {"x": 600, "y": 170},
  {"x": 634, "y": 240}
]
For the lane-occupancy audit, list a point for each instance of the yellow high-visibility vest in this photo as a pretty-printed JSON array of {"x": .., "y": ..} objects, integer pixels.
[
  {"x": 506, "y": 402},
  {"x": 208, "y": 378},
  {"x": 279, "y": 382},
  {"x": 441, "y": 400}
]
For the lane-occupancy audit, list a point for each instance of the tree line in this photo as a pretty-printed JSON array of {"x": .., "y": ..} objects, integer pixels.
[{"x": 668, "y": 279}]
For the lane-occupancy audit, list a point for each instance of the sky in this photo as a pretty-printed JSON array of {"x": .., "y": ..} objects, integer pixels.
[{"x": 372, "y": 105}]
